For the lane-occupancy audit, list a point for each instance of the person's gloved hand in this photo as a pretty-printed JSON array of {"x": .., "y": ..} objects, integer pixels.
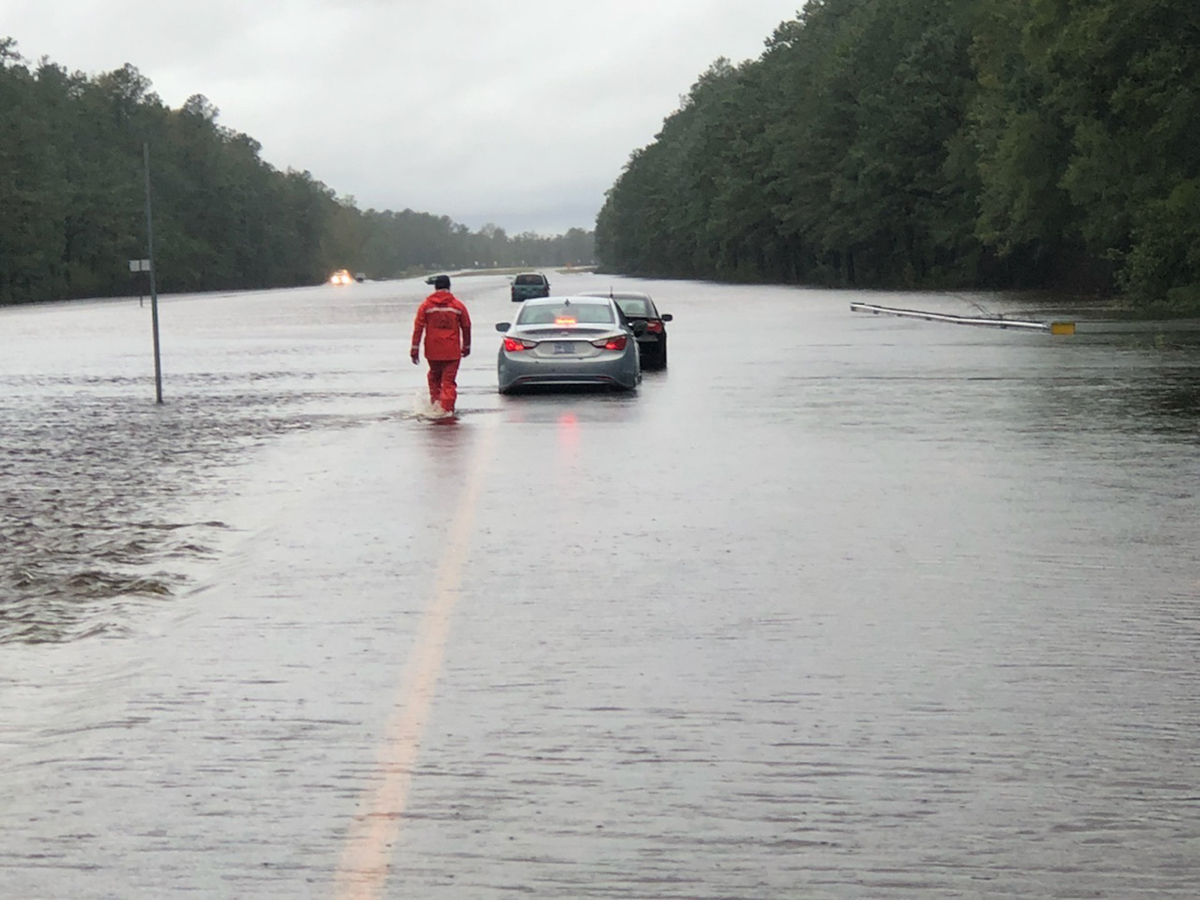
[
  {"x": 415, "y": 357},
  {"x": 466, "y": 351}
]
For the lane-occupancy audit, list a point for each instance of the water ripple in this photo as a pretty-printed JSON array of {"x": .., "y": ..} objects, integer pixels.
[{"x": 95, "y": 484}]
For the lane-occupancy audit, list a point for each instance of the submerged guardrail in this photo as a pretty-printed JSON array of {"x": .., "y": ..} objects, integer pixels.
[{"x": 989, "y": 321}]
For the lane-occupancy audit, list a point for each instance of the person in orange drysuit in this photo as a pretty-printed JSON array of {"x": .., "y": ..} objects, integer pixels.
[{"x": 447, "y": 327}]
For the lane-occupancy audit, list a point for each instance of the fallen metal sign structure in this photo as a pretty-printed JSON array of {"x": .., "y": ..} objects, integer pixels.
[{"x": 992, "y": 321}]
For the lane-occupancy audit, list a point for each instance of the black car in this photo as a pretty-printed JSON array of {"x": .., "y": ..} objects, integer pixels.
[{"x": 638, "y": 307}]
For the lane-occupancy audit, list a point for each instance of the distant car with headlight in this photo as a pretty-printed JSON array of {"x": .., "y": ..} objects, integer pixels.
[
  {"x": 565, "y": 341},
  {"x": 341, "y": 276}
]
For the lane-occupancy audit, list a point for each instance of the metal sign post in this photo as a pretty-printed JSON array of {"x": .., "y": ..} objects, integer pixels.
[{"x": 150, "y": 268}]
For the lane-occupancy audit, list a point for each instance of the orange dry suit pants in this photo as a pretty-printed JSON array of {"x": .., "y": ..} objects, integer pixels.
[{"x": 443, "y": 384}]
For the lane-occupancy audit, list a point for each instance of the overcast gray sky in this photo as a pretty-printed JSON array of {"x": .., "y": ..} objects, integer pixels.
[{"x": 517, "y": 112}]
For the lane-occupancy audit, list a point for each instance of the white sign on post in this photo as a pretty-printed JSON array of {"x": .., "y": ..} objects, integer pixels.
[{"x": 139, "y": 265}]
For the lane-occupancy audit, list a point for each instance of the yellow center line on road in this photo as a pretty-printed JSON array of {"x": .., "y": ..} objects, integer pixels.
[{"x": 367, "y": 857}]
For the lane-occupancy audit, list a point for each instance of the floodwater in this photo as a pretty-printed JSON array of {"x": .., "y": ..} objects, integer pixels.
[{"x": 837, "y": 606}]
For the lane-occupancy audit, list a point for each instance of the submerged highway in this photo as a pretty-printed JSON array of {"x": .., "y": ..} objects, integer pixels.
[{"x": 836, "y": 606}]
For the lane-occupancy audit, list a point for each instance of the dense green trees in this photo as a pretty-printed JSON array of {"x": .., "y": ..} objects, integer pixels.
[
  {"x": 72, "y": 202},
  {"x": 934, "y": 142}
]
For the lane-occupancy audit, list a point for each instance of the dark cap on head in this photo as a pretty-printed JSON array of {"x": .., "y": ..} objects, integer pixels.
[{"x": 441, "y": 283}]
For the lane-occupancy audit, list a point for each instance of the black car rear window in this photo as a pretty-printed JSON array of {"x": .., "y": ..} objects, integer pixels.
[
  {"x": 530, "y": 279},
  {"x": 582, "y": 313},
  {"x": 633, "y": 307}
]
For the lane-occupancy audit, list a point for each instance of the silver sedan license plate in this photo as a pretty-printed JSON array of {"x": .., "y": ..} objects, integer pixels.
[{"x": 564, "y": 348}]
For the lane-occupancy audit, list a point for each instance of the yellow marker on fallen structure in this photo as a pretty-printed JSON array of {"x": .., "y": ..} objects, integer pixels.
[{"x": 1062, "y": 327}]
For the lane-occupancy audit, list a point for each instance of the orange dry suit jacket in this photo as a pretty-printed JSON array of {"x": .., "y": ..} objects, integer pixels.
[{"x": 442, "y": 317}]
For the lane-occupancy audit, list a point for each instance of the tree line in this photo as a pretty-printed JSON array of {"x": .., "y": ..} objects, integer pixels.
[
  {"x": 72, "y": 196},
  {"x": 938, "y": 143}
]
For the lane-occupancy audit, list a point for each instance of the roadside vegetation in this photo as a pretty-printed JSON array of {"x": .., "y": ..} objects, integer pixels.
[
  {"x": 72, "y": 196},
  {"x": 934, "y": 143}
]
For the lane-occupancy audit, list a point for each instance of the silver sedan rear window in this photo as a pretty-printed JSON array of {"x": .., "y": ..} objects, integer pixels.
[{"x": 581, "y": 313}]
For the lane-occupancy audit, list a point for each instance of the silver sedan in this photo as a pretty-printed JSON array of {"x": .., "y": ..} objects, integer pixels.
[{"x": 568, "y": 341}]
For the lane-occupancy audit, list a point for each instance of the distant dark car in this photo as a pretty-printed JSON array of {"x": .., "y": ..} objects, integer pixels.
[
  {"x": 638, "y": 307},
  {"x": 431, "y": 279},
  {"x": 529, "y": 285}
]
